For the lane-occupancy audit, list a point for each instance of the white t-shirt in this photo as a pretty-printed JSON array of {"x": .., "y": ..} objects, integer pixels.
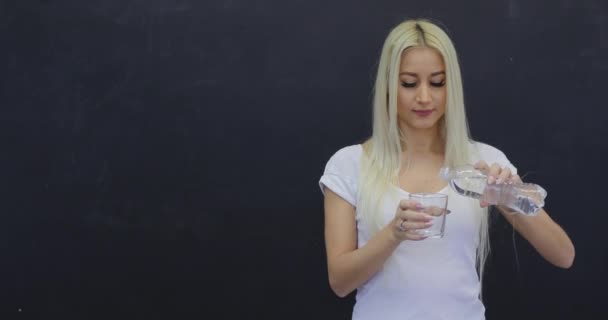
[{"x": 428, "y": 279}]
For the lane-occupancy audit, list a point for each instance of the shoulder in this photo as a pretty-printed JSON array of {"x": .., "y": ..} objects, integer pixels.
[
  {"x": 342, "y": 172},
  {"x": 349, "y": 152},
  {"x": 345, "y": 160},
  {"x": 491, "y": 154},
  {"x": 486, "y": 150}
]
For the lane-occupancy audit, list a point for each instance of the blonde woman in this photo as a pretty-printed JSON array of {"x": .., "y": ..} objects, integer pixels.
[{"x": 419, "y": 125}]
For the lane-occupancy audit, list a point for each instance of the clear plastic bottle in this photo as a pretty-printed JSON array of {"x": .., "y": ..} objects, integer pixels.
[{"x": 525, "y": 198}]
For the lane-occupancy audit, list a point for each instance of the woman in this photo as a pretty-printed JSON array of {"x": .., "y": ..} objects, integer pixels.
[{"x": 419, "y": 125}]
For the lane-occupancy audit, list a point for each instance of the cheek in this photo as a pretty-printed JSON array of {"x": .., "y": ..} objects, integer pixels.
[
  {"x": 402, "y": 105},
  {"x": 404, "y": 98},
  {"x": 441, "y": 99}
]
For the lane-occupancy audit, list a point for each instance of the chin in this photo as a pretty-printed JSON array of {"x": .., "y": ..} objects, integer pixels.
[{"x": 424, "y": 125}]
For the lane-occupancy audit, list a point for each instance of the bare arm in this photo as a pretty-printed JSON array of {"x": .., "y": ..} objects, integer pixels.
[
  {"x": 349, "y": 267},
  {"x": 546, "y": 236}
]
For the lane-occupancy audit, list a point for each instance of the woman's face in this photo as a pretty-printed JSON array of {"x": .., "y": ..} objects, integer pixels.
[{"x": 422, "y": 90}]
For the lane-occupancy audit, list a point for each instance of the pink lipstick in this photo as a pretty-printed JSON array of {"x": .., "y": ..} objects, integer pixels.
[{"x": 423, "y": 113}]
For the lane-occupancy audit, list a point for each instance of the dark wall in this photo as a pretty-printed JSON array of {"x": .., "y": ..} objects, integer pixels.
[{"x": 161, "y": 157}]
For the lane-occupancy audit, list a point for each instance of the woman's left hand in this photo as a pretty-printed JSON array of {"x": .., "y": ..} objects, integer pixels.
[{"x": 496, "y": 174}]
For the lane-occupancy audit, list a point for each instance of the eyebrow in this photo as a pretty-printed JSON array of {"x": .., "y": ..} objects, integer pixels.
[{"x": 415, "y": 75}]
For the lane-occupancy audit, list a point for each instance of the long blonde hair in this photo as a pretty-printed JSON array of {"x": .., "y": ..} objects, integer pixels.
[{"x": 380, "y": 163}]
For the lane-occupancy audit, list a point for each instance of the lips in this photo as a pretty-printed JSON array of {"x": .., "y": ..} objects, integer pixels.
[{"x": 423, "y": 113}]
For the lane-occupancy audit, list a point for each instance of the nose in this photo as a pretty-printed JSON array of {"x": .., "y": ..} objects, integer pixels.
[{"x": 423, "y": 96}]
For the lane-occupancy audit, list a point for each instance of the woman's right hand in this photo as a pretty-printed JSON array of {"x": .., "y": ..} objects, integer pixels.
[{"x": 409, "y": 218}]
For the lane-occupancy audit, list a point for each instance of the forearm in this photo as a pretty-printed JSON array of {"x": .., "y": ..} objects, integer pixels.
[
  {"x": 350, "y": 270},
  {"x": 546, "y": 236}
]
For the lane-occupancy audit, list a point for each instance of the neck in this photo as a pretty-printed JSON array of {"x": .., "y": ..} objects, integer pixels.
[{"x": 423, "y": 142}]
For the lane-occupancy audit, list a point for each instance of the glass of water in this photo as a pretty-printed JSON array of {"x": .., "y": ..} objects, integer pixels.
[{"x": 435, "y": 205}]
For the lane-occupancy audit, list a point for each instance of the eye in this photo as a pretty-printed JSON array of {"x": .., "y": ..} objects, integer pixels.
[
  {"x": 438, "y": 84},
  {"x": 408, "y": 84}
]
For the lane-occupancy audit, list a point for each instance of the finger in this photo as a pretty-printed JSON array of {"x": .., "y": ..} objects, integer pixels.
[
  {"x": 435, "y": 211},
  {"x": 481, "y": 166},
  {"x": 493, "y": 173},
  {"x": 409, "y": 226},
  {"x": 409, "y": 205},
  {"x": 414, "y": 236},
  {"x": 414, "y": 216},
  {"x": 514, "y": 179},
  {"x": 483, "y": 204},
  {"x": 505, "y": 175}
]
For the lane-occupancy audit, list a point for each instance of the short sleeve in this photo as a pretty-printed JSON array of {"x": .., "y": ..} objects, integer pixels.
[
  {"x": 491, "y": 155},
  {"x": 341, "y": 174}
]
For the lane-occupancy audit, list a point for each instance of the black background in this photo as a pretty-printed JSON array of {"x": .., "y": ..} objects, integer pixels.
[{"x": 161, "y": 157}]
